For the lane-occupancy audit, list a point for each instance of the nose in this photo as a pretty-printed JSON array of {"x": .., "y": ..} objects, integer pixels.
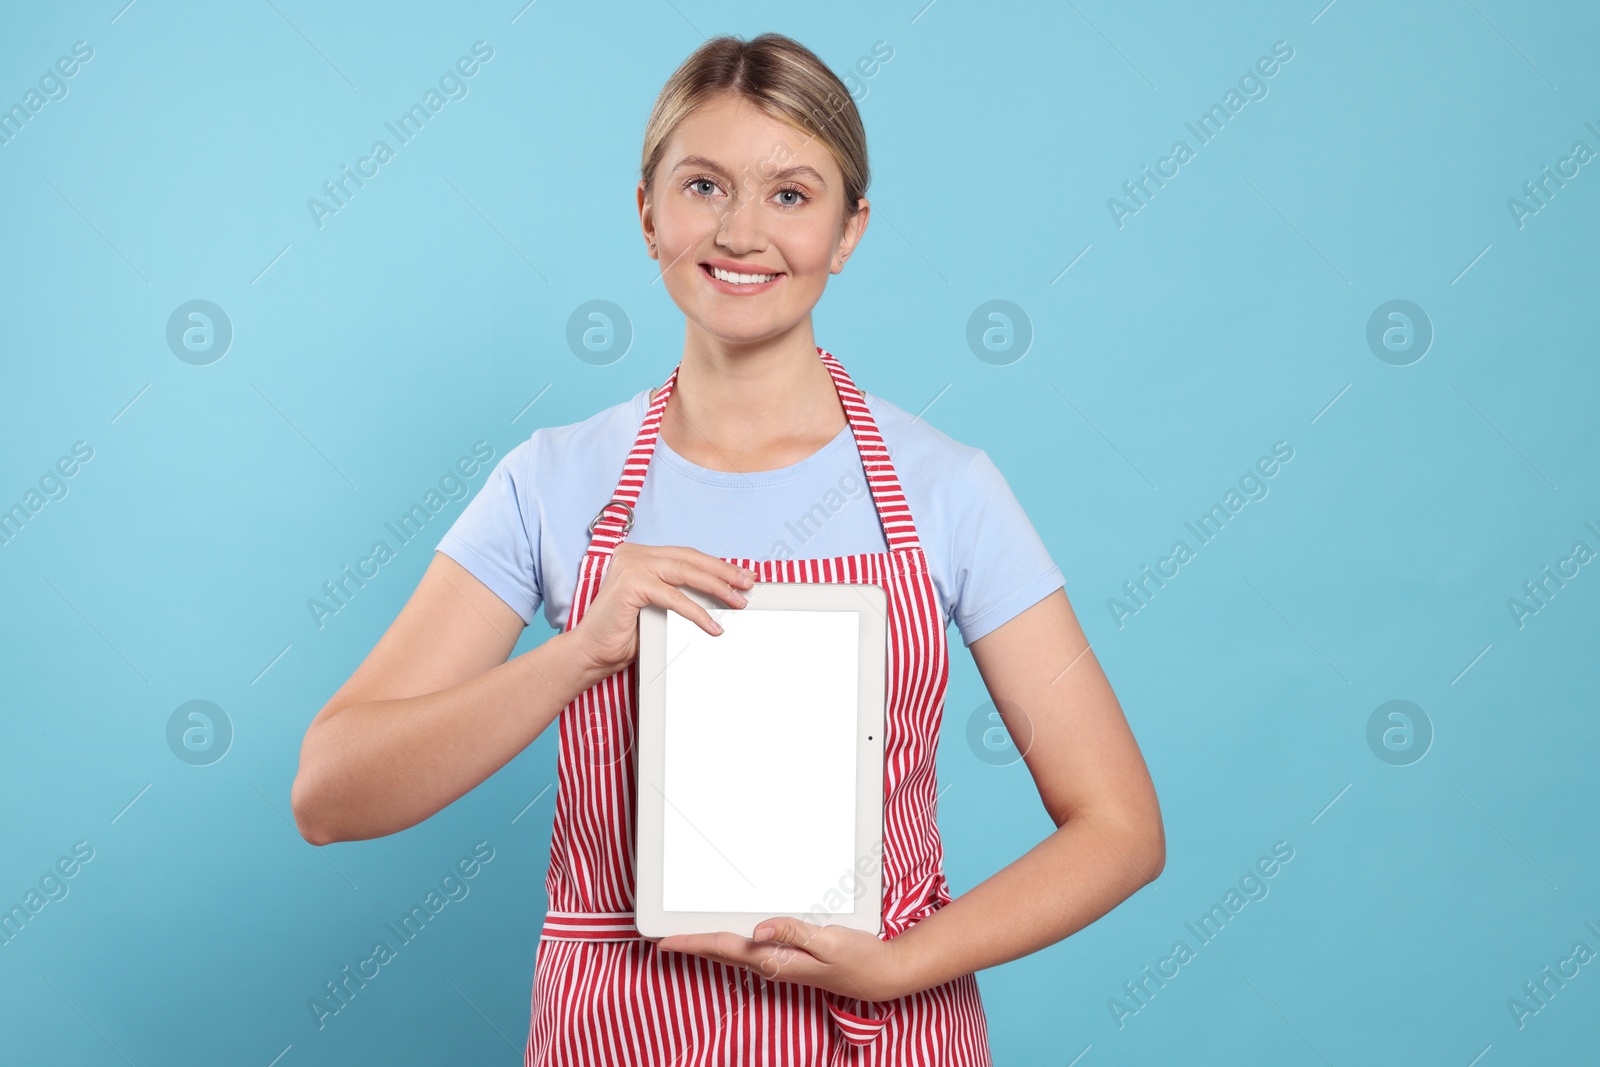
[{"x": 740, "y": 227}]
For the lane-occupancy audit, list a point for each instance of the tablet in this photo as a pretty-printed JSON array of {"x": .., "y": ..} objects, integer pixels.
[{"x": 761, "y": 761}]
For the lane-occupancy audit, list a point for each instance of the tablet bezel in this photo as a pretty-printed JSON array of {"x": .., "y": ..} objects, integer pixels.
[{"x": 863, "y": 883}]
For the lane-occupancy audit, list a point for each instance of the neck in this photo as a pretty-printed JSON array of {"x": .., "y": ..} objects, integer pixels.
[{"x": 752, "y": 407}]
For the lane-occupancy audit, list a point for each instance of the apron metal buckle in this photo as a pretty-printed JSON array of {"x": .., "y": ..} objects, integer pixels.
[{"x": 627, "y": 523}]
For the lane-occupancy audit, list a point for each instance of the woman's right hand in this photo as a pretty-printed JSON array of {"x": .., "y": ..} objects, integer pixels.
[{"x": 608, "y": 633}]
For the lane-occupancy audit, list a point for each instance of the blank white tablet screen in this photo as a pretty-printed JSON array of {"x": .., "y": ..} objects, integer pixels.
[{"x": 759, "y": 753}]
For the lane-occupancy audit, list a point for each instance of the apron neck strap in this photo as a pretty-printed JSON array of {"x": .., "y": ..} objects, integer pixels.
[{"x": 615, "y": 519}]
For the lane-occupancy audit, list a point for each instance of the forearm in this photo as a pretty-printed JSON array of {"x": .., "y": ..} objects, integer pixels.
[
  {"x": 381, "y": 766},
  {"x": 1080, "y": 872}
]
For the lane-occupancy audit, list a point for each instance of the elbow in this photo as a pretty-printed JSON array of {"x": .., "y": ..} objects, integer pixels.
[
  {"x": 303, "y": 811},
  {"x": 1145, "y": 833},
  {"x": 307, "y": 810},
  {"x": 1156, "y": 860},
  {"x": 313, "y": 798},
  {"x": 1139, "y": 838},
  {"x": 1153, "y": 848},
  {"x": 1132, "y": 826}
]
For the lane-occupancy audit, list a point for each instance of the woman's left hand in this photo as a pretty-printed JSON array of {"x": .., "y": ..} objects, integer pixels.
[{"x": 849, "y": 962}]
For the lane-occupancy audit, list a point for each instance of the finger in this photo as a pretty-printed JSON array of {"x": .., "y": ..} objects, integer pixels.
[
  {"x": 713, "y": 576},
  {"x": 790, "y": 931},
  {"x": 675, "y": 599},
  {"x": 686, "y": 572},
  {"x": 727, "y": 948},
  {"x": 732, "y": 574},
  {"x": 782, "y": 962}
]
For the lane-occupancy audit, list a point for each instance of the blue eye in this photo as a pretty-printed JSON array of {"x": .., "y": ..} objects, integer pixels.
[{"x": 703, "y": 180}]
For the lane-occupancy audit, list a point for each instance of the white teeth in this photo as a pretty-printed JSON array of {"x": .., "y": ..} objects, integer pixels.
[{"x": 741, "y": 279}]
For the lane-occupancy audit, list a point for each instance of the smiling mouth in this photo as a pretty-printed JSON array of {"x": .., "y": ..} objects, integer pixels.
[{"x": 734, "y": 278}]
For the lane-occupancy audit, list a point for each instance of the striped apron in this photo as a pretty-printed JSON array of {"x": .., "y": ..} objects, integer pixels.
[{"x": 604, "y": 995}]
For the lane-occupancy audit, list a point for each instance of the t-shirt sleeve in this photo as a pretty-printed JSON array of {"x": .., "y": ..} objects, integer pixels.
[
  {"x": 1000, "y": 565},
  {"x": 496, "y": 537}
]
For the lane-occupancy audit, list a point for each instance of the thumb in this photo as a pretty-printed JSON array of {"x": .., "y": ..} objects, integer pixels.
[{"x": 782, "y": 930}]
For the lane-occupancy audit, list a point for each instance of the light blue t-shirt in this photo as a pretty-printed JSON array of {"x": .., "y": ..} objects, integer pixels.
[{"x": 525, "y": 533}]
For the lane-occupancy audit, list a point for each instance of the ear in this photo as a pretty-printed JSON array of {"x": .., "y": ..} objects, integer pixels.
[
  {"x": 646, "y": 221},
  {"x": 854, "y": 227}
]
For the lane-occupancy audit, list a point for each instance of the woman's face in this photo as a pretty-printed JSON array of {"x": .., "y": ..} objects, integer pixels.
[{"x": 740, "y": 190}]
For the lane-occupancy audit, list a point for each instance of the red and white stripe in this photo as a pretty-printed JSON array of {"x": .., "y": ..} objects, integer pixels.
[{"x": 604, "y": 995}]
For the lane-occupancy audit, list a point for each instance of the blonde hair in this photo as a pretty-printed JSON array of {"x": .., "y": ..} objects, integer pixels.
[{"x": 779, "y": 76}]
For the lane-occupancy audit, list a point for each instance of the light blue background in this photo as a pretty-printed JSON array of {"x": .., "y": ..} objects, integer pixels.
[{"x": 1228, "y": 314}]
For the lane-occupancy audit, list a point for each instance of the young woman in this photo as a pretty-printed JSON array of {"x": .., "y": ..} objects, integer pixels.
[{"x": 758, "y": 459}]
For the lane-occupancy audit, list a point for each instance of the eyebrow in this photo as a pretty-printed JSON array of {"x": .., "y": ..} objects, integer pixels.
[{"x": 787, "y": 172}]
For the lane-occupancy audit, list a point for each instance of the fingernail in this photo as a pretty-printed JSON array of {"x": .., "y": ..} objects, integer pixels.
[{"x": 718, "y": 626}]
